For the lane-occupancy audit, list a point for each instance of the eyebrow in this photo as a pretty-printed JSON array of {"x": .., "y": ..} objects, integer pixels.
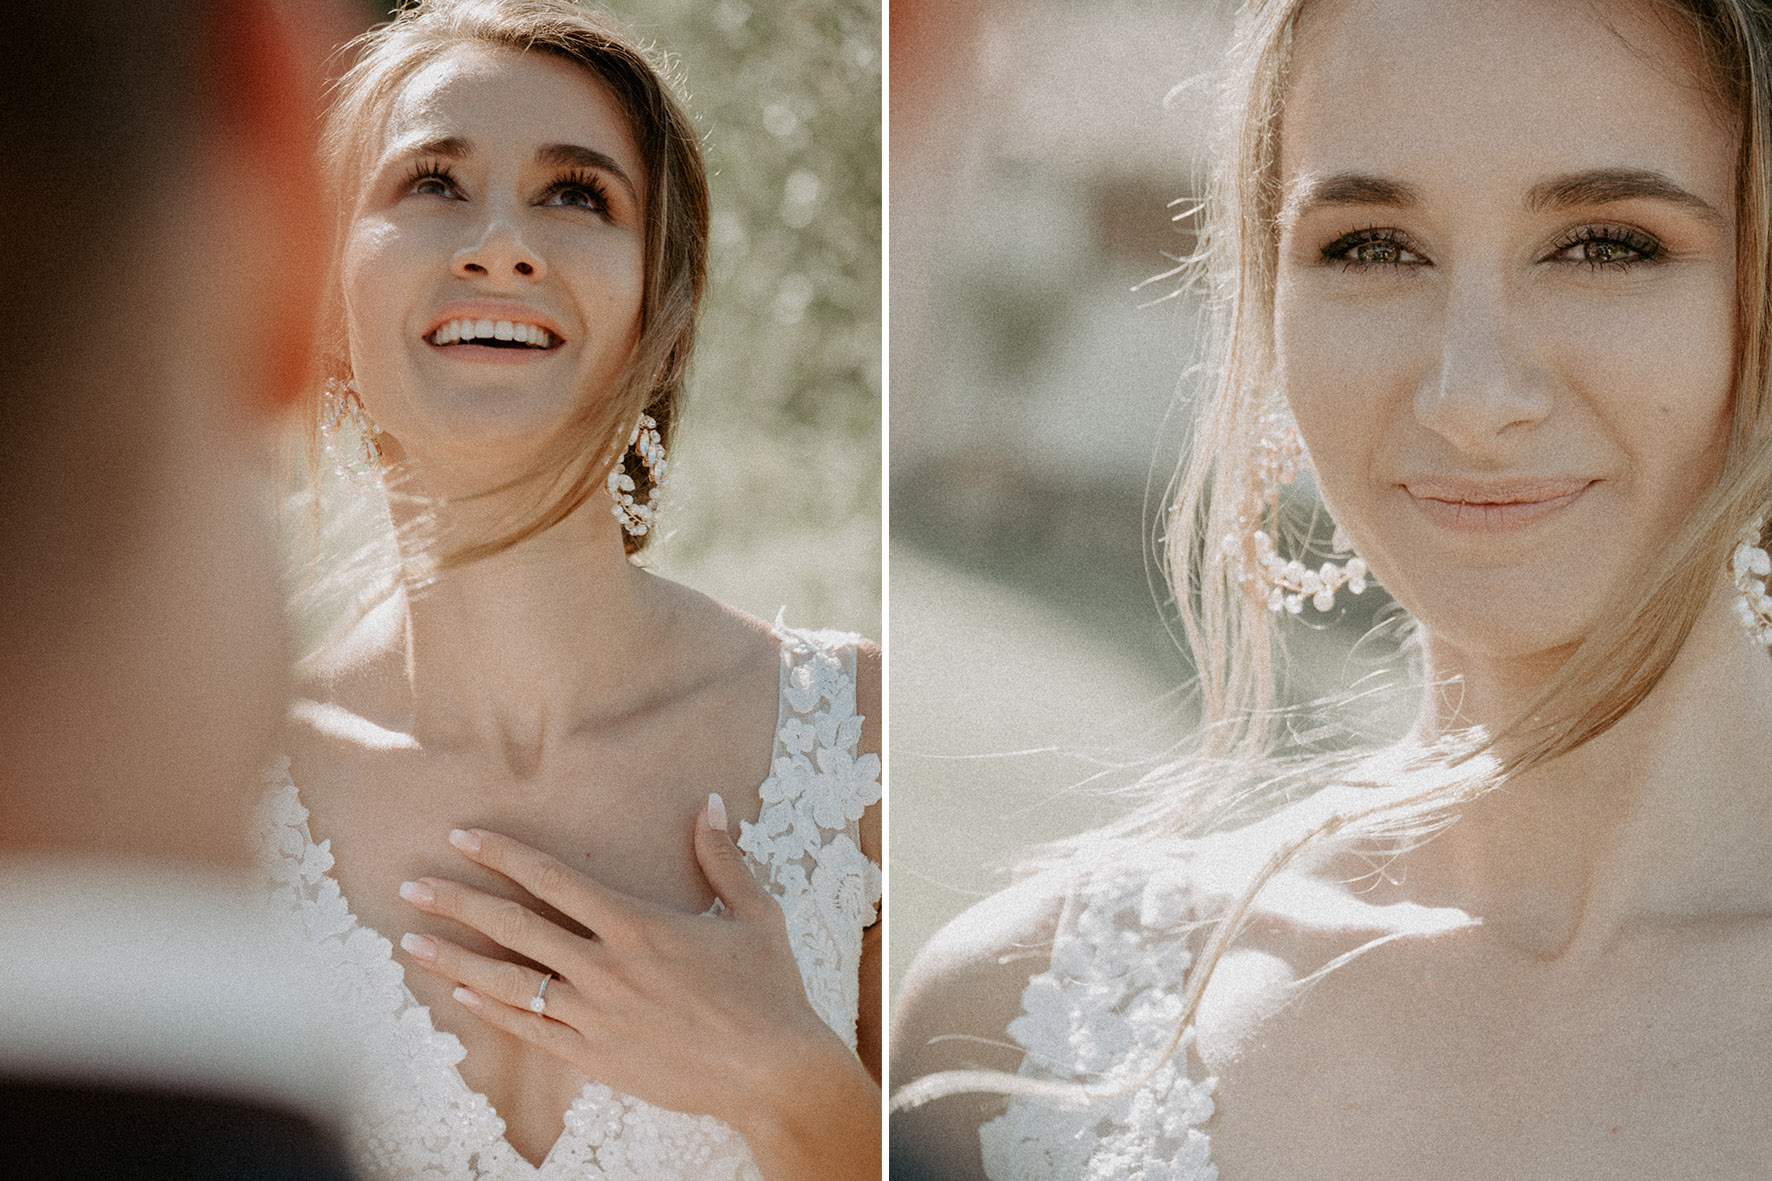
[
  {"x": 1345, "y": 188},
  {"x": 1595, "y": 186},
  {"x": 1603, "y": 186},
  {"x": 454, "y": 147}
]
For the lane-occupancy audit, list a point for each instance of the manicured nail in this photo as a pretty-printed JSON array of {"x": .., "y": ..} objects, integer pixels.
[
  {"x": 420, "y": 947},
  {"x": 469, "y": 997},
  {"x": 467, "y": 842},
  {"x": 716, "y": 812},
  {"x": 418, "y": 892}
]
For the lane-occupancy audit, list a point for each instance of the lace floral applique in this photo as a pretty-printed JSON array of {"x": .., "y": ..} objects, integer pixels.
[
  {"x": 808, "y": 831},
  {"x": 1109, "y": 1002},
  {"x": 417, "y": 1118}
]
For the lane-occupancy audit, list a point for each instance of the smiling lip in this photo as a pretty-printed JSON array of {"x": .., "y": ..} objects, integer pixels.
[
  {"x": 491, "y": 315},
  {"x": 1493, "y": 506}
]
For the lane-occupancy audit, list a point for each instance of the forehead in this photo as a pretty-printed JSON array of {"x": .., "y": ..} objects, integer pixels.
[
  {"x": 496, "y": 97},
  {"x": 1455, "y": 95}
]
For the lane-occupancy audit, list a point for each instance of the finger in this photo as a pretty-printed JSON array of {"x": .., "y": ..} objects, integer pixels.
[
  {"x": 512, "y": 984},
  {"x": 507, "y": 923},
  {"x": 724, "y": 865},
  {"x": 548, "y": 878},
  {"x": 559, "y": 1040}
]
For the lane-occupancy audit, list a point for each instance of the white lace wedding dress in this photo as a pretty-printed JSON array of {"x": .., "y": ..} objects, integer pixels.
[
  {"x": 417, "y": 1118},
  {"x": 1108, "y": 1002}
]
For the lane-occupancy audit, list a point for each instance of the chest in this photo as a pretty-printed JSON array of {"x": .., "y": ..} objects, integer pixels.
[
  {"x": 1472, "y": 1066},
  {"x": 620, "y": 810}
]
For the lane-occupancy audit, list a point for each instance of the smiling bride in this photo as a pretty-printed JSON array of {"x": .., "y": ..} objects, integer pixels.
[
  {"x": 1498, "y": 274},
  {"x": 503, "y": 817}
]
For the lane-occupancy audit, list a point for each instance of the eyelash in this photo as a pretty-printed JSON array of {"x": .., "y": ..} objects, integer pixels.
[
  {"x": 1646, "y": 248},
  {"x": 1341, "y": 250},
  {"x": 429, "y": 170},
  {"x": 587, "y": 182}
]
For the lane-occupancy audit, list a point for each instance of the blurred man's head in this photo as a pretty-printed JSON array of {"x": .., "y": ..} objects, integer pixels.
[{"x": 164, "y": 248}]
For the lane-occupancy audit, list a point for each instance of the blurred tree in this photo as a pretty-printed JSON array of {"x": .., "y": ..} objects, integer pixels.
[{"x": 778, "y": 499}]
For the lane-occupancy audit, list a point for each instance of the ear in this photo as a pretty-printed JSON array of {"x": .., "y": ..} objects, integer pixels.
[{"x": 265, "y": 67}]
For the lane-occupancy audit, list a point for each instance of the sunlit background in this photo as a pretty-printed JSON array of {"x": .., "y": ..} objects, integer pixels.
[
  {"x": 1042, "y": 152},
  {"x": 774, "y": 502}
]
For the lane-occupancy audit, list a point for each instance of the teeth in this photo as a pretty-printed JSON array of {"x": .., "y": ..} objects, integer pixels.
[{"x": 457, "y": 331}]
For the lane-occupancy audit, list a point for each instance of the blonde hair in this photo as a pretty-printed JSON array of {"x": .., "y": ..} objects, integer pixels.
[
  {"x": 1239, "y": 768},
  {"x": 572, "y": 464}
]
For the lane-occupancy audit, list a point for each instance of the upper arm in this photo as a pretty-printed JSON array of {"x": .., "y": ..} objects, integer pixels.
[
  {"x": 870, "y": 1017},
  {"x": 869, "y": 663},
  {"x": 954, "y": 1008}
]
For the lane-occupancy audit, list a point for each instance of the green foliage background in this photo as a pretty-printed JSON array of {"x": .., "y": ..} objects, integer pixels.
[{"x": 775, "y": 496}]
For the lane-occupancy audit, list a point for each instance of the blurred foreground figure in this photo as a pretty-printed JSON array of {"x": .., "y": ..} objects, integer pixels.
[{"x": 163, "y": 244}]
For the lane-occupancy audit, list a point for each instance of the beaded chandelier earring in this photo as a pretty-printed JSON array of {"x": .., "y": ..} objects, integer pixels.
[
  {"x": 1749, "y": 566},
  {"x": 1281, "y": 584},
  {"x": 638, "y": 518},
  {"x": 347, "y": 429}
]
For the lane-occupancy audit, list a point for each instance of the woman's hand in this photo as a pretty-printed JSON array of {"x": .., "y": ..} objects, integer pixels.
[{"x": 702, "y": 1013}]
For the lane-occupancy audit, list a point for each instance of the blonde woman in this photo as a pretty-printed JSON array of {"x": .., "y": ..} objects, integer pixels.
[
  {"x": 503, "y": 820},
  {"x": 1503, "y": 268}
]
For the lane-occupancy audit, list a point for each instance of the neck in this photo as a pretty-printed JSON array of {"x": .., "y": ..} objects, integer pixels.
[
  {"x": 1666, "y": 816},
  {"x": 510, "y": 653}
]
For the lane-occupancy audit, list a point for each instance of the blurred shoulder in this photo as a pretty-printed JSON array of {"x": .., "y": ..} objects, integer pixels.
[{"x": 953, "y": 1010}]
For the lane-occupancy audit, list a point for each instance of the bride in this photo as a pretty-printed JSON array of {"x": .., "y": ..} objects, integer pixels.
[
  {"x": 506, "y": 818},
  {"x": 1504, "y": 269}
]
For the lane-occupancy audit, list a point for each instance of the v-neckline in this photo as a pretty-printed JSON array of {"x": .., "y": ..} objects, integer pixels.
[{"x": 498, "y": 1142}]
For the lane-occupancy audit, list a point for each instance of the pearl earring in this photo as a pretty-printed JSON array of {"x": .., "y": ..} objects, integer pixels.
[
  {"x": 636, "y": 518},
  {"x": 342, "y": 414},
  {"x": 1749, "y": 565},
  {"x": 1281, "y": 584}
]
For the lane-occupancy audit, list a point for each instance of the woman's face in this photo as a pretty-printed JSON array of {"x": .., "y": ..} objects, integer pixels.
[
  {"x": 1505, "y": 312},
  {"x": 493, "y": 269}
]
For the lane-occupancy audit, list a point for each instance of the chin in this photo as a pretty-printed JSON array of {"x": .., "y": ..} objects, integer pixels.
[{"x": 1494, "y": 619}]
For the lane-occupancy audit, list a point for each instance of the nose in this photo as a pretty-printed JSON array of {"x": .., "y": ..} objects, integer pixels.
[
  {"x": 1486, "y": 384},
  {"x": 499, "y": 253}
]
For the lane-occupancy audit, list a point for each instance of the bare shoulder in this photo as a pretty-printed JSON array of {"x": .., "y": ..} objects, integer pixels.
[
  {"x": 707, "y": 632},
  {"x": 955, "y": 1004}
]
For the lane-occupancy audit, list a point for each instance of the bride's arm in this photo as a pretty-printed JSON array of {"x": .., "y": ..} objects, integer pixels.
[{"x": 870, "y": 1017}]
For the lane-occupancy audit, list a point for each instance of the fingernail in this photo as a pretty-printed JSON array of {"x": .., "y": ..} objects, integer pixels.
[
  {"x": 716, "y": 812},
  {"x": 469, "y": 997},
  {"x": 418, "y": 892},
  {"x": 419, "y": 947},
  {"x": 467, "y": 842}
]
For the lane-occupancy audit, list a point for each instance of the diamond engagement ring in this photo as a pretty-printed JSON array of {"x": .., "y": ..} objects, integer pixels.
[{"x": 539, "y": 1004}]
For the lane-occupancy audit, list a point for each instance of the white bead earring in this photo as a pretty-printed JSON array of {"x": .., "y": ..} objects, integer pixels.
[
  {"x": 342, "y": 416},
  {"x": 635, "y": 517},
  {"x": 1281, "y": 584},
  {"x": 1749, "y": 565}
]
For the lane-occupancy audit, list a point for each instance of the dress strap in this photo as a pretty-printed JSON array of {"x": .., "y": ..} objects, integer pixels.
[{"x": 807, "y": 836}]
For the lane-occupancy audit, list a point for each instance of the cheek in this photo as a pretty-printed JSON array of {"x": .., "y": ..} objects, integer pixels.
[
  {"x": 1345, "y": 368},
  {"x": 1658, "y": 374},
  {"x": 371, "y": 273},
  {"x": 610, "y": 281}
]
